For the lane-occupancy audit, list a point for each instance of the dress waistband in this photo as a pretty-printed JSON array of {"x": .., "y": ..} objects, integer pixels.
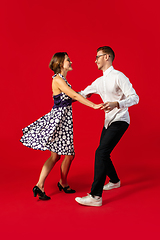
[
  {"x": 63, "y": 103},
  {"x": 58, "y": 102}
]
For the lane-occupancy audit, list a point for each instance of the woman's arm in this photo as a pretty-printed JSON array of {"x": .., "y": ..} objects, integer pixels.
[{"x": 61, "y": 84}]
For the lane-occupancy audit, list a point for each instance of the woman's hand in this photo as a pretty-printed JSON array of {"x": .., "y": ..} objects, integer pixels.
[{"x": 98, "y": 106}]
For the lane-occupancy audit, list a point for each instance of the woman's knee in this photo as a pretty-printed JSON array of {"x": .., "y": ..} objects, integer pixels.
[
  {"x": 55, "y": 157},
  {"x": 70, "y": 157}
]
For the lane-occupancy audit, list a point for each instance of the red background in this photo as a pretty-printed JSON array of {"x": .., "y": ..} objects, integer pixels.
[{"x": 31, "y": 32}]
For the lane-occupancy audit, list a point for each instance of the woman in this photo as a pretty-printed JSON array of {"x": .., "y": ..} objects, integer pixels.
[{"x": 54, "y": 131}]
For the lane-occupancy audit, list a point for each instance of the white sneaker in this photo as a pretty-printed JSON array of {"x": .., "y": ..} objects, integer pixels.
[
  {"x": 111, "y": 185},
  {"x": 89, "y": 201}
]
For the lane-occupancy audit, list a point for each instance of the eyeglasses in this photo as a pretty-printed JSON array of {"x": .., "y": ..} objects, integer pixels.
[{"x": 100, "y": 56}]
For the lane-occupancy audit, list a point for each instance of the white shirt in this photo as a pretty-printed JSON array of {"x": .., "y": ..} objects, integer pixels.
[{"x": 114, "y": 86}]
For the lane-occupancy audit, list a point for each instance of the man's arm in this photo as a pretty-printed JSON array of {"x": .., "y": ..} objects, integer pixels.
[
  {"x": 88, "y": 91},
  {"x": 130, "y": 96}
]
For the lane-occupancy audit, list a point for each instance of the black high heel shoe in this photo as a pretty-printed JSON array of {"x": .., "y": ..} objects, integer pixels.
[
  {"x": 41, "y": 195},
  {"x": 65, "y": 189}
]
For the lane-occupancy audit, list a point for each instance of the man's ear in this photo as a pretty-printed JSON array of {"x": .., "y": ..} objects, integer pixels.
[{"x": 106, "y": 57}]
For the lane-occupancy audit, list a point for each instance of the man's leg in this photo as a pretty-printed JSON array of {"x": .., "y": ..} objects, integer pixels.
[{"x": 103, "y": 164}]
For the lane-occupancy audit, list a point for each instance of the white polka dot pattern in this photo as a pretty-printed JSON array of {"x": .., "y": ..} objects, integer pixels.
[{"x": 53, "y": 131}]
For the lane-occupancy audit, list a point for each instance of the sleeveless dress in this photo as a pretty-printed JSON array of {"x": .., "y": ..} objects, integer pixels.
[{"x": 53, "y": 131}]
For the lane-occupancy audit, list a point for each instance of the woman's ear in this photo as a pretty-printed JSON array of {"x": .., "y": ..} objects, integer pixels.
[{"x": 60, "y": 65}]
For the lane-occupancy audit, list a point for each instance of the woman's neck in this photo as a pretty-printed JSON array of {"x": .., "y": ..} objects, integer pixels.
[{"x": 64, "y": 73}]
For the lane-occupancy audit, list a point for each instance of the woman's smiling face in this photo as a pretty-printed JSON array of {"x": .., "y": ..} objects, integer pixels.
[{"x": 67, "y": 64}]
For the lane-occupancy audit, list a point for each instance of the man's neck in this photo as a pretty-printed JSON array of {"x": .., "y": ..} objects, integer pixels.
[{"x": 106, "y": 67}]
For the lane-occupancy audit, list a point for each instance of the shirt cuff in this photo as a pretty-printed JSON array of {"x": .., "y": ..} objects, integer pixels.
[
  {"x": 121, "y": 104},
  {"x": 82, "y": 94}
]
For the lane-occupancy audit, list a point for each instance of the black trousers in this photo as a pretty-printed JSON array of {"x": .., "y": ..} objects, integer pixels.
[{"x": 103, "y": 164}]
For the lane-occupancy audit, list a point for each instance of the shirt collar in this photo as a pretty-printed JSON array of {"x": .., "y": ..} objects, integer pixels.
[{"x": 105, "y": 73}]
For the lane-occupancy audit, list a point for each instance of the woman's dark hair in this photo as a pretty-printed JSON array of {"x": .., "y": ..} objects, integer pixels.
[
  {"x": 56, "y": 62},
  {"x": 107, "y": 50}
]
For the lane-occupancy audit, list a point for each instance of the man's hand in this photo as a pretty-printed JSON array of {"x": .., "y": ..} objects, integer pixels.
[{"x": 109, "y": 106}]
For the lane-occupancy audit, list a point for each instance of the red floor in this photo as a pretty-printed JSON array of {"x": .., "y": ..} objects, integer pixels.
[{"x": 130, "y": 212}]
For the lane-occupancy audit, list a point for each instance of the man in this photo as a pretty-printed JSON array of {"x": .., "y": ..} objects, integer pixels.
[{"x": 117, "y": 94}]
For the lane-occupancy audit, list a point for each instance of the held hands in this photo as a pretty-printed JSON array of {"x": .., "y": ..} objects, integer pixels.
[
  {"x": 109, "y": 106},
  {"x": 98, "y": 106}
]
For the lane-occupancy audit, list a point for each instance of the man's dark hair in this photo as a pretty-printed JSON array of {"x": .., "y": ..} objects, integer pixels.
[{"x": 107, "y": 50}]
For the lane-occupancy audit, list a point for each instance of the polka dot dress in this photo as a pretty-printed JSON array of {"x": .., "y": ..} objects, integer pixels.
[{"x": 53, "y": 131}]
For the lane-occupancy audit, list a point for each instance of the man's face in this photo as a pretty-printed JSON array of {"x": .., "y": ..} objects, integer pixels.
[{"x": 100, "y": 60}]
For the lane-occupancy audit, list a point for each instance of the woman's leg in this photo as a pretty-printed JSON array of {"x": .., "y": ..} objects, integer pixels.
[
  {"x": 64, "y": 169},
  {"x": 47, "y": 167}
]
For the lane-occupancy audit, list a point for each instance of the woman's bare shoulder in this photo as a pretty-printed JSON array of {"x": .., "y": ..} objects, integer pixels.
[{"x": 58, "y": 79}]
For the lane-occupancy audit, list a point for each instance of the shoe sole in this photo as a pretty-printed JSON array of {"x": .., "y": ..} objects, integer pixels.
[
  {"x": 91, "y": 205},
  {"x": 110, "y": 188}
]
